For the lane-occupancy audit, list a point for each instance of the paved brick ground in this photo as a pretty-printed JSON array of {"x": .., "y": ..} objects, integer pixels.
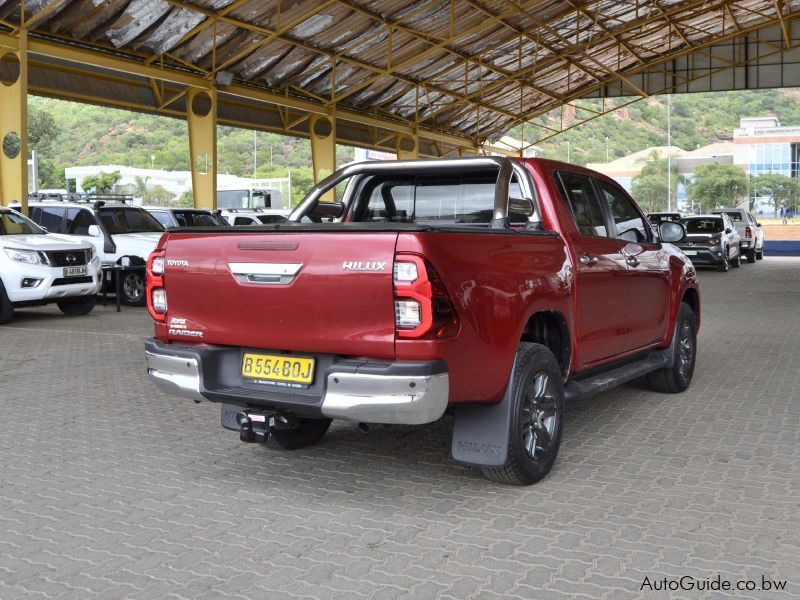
[{"x": 110, "y": 490}]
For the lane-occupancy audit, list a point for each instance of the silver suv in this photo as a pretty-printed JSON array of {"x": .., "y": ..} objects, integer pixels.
[{"x": 750, "y": 232}]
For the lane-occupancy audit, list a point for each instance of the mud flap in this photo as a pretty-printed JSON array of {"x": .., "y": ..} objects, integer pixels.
[{"x": 480, "y": 432}]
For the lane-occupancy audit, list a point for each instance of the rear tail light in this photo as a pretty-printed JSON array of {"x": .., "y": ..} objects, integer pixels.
[
  {"x": 159, "y": 298},
  {"x": 156, "y": 294},
  {"x": 157, "y": 266},
  {"x": 407, "y": 314},
  {"x": 422, "y": 306},
  {"x": 748, "y": 232}
]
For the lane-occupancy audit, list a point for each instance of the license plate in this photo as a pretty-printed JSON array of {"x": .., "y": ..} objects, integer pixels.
[
  {"x": 278, "y": 368},
  {"x": 74, "y": 271},
  {"x": 690, "y": 252}
]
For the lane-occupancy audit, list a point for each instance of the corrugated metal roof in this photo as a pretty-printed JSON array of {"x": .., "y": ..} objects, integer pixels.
[{"x": 471, "y": 68}]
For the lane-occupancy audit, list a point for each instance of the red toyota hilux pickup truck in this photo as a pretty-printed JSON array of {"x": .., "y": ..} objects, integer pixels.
[{"x": 491, "y": 288}]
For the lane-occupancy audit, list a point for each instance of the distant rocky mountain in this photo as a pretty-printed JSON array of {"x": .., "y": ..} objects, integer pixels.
[{"x": 96, "y": 135}]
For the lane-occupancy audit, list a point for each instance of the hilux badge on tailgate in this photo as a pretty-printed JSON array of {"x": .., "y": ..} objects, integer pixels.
[{"x": 350, "y": 265}]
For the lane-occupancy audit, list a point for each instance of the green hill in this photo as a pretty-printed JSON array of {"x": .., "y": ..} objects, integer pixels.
[{"x": 86, "y": 134}]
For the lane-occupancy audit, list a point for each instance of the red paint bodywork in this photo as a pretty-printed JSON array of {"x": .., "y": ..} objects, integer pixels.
[{"x": 496, "y": 281}]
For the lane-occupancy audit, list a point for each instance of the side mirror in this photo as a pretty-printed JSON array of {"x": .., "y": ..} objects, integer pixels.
[
  {"x": 758, "y": 224},
  {"x": 331, "y": 210},
  {"x": 671, "y": 232},
  {"x": 728, "y": 230},
  {"x": 520, "y": 206},
  {"x": 94, "y": 231}
]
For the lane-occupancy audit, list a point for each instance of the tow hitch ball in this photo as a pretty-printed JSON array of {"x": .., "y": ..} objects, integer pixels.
[{"x": 253, "y": 427}]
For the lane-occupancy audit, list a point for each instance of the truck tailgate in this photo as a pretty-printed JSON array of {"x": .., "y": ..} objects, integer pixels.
[{"x": 238, "y": 289}]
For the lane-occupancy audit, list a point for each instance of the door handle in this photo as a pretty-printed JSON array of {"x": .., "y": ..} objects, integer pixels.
[
  {"x": 632, "y": 261},
  {"x": 588, "y": 260}
]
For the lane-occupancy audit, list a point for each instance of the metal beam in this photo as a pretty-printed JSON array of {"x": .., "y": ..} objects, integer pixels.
[
  {"x": 201, "y": 114},
  {"x": 118, "y": 64},
  {"x": 14, "y": 130}
]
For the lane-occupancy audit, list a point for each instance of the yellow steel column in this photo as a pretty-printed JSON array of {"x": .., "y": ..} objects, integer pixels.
[
  {"x": 407, "y": 147},
  {"x": 323, "y": 149},
  {"x": 14, "y": 126},
  {"x": 201, "y": 112}
]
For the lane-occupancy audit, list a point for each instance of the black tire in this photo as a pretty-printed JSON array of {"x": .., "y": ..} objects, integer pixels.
[
  {"x": 537, "y": 396},
  {"x": 675, "y": 379},
  {"x": 760, "y": 254},
  {"x": 133, "y": 288},
  {"x": 307, "y": 432},
  {"x": 78, "y": 306},
  {"x": 751, "y": 256},
  {"x": 737, "y": 262},
  {"x": 6, "y": 308},
  {"x": 722, "y": 267}
]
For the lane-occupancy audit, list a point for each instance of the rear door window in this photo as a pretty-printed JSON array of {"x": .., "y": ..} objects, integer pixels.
[
  {"x": 79, "y": 220},
  {"x": 578, "y": 192}
]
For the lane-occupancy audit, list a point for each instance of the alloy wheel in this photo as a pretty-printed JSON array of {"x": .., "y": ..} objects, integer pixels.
[
  {"x": 685, "y": 350},
  {"x": 133, "y": 287},
  {"x": 539, "y": 417}
]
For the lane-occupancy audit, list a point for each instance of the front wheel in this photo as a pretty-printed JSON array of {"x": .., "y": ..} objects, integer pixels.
[
  {"x": 6, "y": 308},
  {"x": 132, "y": 288},
  {"x": 77, "y": 306},
  {"x": 305, "y": 433},
  {"x": 675, "y": 379},
  {"x": 722, "y": 267},
  {"x": 737, "y": 262},
  {"x": 537, "y": 397}
]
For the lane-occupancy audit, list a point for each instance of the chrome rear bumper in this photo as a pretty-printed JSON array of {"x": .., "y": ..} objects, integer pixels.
[
  {"x": 406, "y": 400},
  {"x": 176, "y": 375},
  {"x": 393, "y": 393}
]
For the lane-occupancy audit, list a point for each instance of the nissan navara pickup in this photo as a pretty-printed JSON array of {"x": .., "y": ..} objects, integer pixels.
[{"x": 490, "y": 288}]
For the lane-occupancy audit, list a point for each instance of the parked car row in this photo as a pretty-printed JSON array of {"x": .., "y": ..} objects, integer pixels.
[
  {"x": 112, "y": 231},
  {"x": 719, "y": 239},
  {"x": 38, "y": 268}
]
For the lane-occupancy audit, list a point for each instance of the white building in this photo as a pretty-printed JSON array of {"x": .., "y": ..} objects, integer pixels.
[{"x": 175, "y": 182}]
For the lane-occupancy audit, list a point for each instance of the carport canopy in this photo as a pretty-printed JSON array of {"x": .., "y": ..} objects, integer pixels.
[{"x": 420, "y": 78}]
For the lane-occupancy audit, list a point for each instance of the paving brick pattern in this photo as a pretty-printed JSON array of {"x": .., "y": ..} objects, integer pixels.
[{"x": 109, "y": 489}]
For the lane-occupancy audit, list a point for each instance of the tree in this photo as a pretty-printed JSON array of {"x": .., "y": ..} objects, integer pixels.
[
  {"x": 139, "y": 188},
  {"x": 717, "y": 185},
  {"x": 158, "y": 194},
  {"x": 651, "y": 186},
  {"x": 784, "y": 191},
  {"x": 42, "y": 131},
  {"x": 186, "y": 200},
  {"x": 102, "y": 183}
]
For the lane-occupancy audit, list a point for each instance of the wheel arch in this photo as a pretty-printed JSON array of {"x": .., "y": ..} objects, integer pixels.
[
  {"x": 692, "y": 298},
  {"x": 549, "y": 328}
]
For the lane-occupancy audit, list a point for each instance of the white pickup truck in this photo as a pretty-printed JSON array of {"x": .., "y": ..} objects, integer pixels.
[
  {"x": 752, "y": 244},
  {"x": 38, "y": 268}
]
